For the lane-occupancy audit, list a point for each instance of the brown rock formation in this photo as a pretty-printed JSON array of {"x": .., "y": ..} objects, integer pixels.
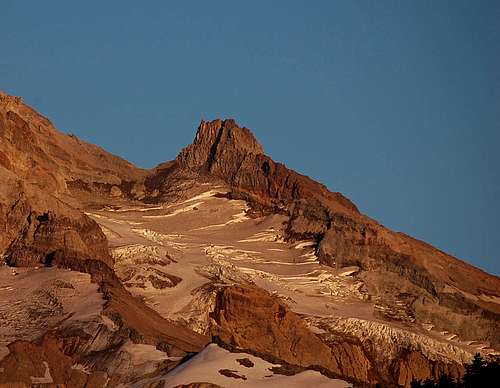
[
  {"x": 249, "y": 318},
  {"x": 224, "y": 150},
  {"x": 432, "y": 283},
  {"x": 46, "y": 362},
  {"x": 37, "y": 210},
  {"x": 57, "y": 163},
  {"x": 413, "y": 366},
  {"x": 47, "y": 177},
  {"x": 35, "y": 225}
]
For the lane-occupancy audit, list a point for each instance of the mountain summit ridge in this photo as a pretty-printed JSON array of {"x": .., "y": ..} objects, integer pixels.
[
  {"x": 226, "y": 150},
  {"x": 66, "y": 203},
  {"x": 217, "y": 138}
]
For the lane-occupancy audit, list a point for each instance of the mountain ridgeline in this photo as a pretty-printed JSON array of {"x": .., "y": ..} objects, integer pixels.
[{"x": 52, "y": 185}]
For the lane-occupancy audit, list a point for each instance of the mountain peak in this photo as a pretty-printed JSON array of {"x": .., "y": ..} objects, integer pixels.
[
  {"x": 216, "y": 141},
  {"x": 223, "y": 149},
  {"x": 348, "y": 281}
]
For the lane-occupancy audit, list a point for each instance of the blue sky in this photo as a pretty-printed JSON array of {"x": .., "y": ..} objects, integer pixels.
[{"x": 394, "y": 103}]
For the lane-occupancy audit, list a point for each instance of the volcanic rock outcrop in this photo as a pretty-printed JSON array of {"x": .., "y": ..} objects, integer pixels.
[
  {"x": 64, "y": 203},
  {"x": 46, "y": 178},
  {"x": 437, "y": 287},
  {"x": 38, "y": 214},
  {"x": 35, "y": 225},
  {"x": 56, "y": 163},
  {"x": 250, "y": 318},
  {"x": 223, "y": 149}
]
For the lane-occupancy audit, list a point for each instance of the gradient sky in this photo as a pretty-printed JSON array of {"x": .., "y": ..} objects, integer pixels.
[{"x": 394, "y": 103}]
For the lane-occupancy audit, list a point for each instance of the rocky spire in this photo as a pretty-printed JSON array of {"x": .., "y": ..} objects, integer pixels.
[
  {"x": 217, "y": 145},
  {"x": 226, "y": 151}
]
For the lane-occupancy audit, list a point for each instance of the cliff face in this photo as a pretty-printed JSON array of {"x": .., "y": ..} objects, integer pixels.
[
  {"x": 46, "y": 178},
  {"x": 224, "y": 150},
  {"x": 36, "y": 152},
  {"x": 216, "y": 143},
  {"x": 250, "y": 318},
  {"x": 44, "y": 231},
  {"x": 240, "y": 311},
  {"x": 50, "y": 182},
  {"x": 37, "y": 220},
  {"x": 394, "y": 266}
]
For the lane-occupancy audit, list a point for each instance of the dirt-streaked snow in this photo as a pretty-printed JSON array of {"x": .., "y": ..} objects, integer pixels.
[{"x": 215, "y": 242}]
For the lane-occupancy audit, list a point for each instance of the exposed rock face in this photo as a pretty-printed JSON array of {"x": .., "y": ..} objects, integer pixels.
[
  {"x": 250, "y": 318},
  {"x": 217, "y": 143},
  {"x": 413, "y": 366},
  {"x": 48, "y": 233},
  {"x": 436, "y": 286},
  {"x": 394, "y": 265},
  {"x": 36, "y": 152},
  {"x": 227, "y": 151},
  {"x": 399, "y": 356},
  {"x": 37, "y": 225},
  {"x": 48, "y": 179},
  {"x": 37, "y": 210},
  {"x": 46, "y": 362}
]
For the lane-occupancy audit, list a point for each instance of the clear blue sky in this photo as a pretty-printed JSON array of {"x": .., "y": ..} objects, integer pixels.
[{"x": 394, "y": 103}]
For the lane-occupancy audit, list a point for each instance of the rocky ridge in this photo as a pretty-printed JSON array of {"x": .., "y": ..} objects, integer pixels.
[
  {"x": 433, "y": 284},
  {"x": 50, "y": 180},
  {"x": 43, "y": 225}
]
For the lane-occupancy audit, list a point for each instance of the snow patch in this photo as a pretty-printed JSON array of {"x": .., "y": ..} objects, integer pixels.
[{"x": 205, "y": 367}]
